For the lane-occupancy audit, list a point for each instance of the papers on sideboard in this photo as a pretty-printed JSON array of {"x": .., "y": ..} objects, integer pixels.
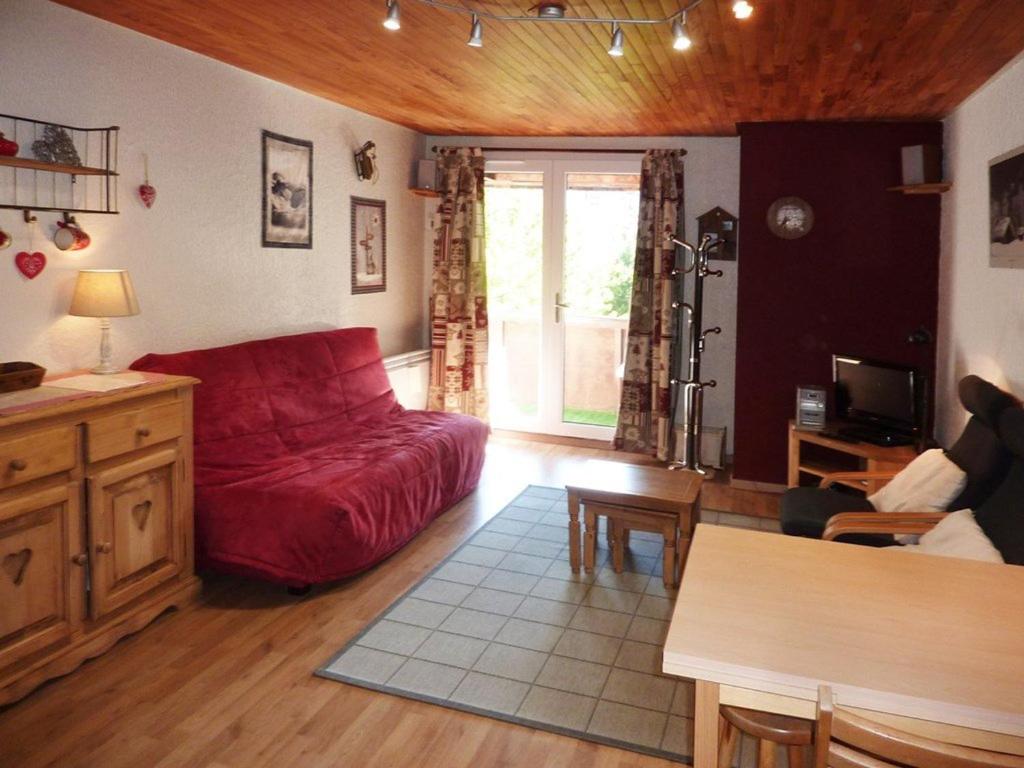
[{"x": 92, "y": 382}]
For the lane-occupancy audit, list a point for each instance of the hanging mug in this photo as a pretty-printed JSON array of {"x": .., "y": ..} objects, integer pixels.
[
  {"x": 5, "y": 240},
  {"x": 70, "y": 237}
]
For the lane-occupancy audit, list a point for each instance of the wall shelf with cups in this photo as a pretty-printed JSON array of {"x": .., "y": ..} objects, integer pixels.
[{"x": 52, "y": 167}]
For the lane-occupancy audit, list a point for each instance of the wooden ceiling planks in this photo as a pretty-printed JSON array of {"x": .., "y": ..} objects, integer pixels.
[{"x": 793, "y": 60}]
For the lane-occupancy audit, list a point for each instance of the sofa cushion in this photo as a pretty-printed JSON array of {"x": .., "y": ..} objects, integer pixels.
[
  {"x": 957, "y": 535},
  {"x": 1001, "y": 517},
  {"x": 335, "y": 508},
  {"x": 978, "y": 451},
  {"x": 806, "y": 512},
  {"x": 311, "y": 383},
  {"x": 984, "y": 400},
  {"x": 927, "y": 484}
]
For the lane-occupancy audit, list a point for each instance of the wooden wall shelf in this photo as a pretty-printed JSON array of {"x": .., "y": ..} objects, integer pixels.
[
  {"x": 419, "y": 192},
  {"x": 39, "y": 165},
  {"x": 923, "y": 189},
  {"x": 80, "y": 166}
]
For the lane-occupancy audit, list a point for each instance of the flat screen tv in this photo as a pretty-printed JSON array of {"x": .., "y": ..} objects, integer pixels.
[{"x": 882, "y": 395}]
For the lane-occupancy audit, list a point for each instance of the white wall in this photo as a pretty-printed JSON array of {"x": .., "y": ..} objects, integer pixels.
[
  {"x": 981, "y": 309},
  {"x": 712, "y": 177},
  {"x": 195, "y": 258}
]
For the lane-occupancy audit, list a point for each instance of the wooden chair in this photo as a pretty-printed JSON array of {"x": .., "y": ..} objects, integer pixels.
[
  {"x": 845, "y": 740},
  {"x": 769, "y": 729}
]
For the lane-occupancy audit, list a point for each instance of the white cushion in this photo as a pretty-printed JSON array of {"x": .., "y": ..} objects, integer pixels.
[
  {"x": 927, "y": 484},
  {"x": 958, "y": 535}
]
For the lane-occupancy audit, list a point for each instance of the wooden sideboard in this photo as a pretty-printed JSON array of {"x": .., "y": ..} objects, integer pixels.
[{"x": 96, "y": 530}]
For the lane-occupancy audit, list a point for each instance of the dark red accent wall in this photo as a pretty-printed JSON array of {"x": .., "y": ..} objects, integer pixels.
[{"x": 859, "y": 283}]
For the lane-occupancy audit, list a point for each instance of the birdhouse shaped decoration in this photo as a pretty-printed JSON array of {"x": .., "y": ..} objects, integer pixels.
[
  {"x": 721, "y": 224},
  {"x": 366, "y": 163}
]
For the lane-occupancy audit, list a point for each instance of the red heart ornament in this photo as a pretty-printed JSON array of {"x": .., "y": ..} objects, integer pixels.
[
  {"x": 30, "y": 264},
  {"x": 148, "y": 194}
]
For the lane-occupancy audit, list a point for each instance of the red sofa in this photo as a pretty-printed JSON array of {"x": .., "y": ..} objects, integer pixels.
[{"x": 307, "y": 468}]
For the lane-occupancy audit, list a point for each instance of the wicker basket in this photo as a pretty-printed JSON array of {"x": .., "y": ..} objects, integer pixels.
[{"x": 15, "y": 376}]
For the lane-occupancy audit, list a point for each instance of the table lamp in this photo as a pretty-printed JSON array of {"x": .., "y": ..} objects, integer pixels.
[{"x": 104, "y": 293}]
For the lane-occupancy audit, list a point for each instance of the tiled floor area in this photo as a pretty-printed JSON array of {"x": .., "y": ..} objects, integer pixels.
[{"x": 502, "y": 627}]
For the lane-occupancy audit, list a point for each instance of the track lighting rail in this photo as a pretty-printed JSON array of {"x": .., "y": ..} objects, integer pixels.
[
  {"x": 554, "y": 12},
  {"x": 563, "y": 19}
]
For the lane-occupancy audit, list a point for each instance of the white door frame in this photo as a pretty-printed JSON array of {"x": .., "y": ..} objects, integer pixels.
[{"x": 552, "y": 352}]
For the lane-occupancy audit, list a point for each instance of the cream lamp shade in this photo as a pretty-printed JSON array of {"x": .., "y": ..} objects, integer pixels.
[{"x": 104, "y": 293}]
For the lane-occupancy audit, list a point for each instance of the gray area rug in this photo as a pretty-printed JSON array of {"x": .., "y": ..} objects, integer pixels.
[{"x": 502, "y": 628}]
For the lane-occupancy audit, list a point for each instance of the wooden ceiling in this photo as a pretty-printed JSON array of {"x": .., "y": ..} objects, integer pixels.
[{"x": 793, "y": 60}]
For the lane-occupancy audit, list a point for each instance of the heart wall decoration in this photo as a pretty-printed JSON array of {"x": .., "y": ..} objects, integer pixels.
[
  {"x": 147, "y": 192},
  {"x": 30, "y": 264}
]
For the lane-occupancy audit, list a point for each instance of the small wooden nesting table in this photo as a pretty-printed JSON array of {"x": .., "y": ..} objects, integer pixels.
[{"x": 633, "y": 497}]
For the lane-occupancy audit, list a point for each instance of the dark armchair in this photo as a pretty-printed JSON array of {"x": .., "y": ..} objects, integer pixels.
[
  {"x": 979, "y": 452},
  {"x": 1000, "y": 516}
]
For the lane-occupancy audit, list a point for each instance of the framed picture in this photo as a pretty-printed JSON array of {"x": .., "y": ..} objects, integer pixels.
[
  {"x": 1006, "y": 209},
  {"x": 369, "y": 245},
  {"x": 287, "y": 192}
]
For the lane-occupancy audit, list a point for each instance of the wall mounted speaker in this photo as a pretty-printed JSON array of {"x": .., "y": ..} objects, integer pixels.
[
  {"x": 922, "y": 164},
  {"x": 426, "y": 174}
]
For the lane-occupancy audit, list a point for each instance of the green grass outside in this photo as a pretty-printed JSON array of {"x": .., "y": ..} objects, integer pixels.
[
  {"x": 577, "y": 415},
  {"x": 583, "y": 416}
]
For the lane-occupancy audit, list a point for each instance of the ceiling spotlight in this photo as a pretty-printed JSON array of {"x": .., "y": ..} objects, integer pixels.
[
  {"x": 394, "y": 18},
  {"x": 618, "y": 46},
  {"x": 476, "y": 35},
  {"x": 680, "y": 40},
  {"x": 741, "y": 9}
]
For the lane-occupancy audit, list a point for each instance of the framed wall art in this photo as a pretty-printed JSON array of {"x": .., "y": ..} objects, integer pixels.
[
  {"x": 287, "y": 192},
  {"x": 1006, "y": 209},
  {"x": 369, "y": 245}
]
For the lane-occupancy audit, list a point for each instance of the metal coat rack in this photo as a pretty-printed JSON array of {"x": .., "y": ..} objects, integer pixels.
[{"x": 688, "y": 390}]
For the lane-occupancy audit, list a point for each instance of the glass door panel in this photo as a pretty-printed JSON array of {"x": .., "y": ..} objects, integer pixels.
[
  {"x": 514, "y": 231},
  {"x": 560, "y": 242},
  {"x": 600, "y": 223}
]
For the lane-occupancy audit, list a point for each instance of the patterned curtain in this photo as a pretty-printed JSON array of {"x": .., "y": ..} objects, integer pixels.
[
  {"x": 458, "y": 297},
  {"x": 644, "y": 412}
]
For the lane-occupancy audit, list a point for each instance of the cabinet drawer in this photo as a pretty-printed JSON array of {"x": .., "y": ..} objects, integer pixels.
[
  {"x": 129, "y": 431},
  {"x": 36, "y": 454}
]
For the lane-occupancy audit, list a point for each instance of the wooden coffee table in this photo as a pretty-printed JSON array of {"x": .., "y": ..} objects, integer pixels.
[{"x": 633, "y": 497}]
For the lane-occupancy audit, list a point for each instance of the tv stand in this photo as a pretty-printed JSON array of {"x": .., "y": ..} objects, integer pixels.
[
  {"x": 812, "y": 455},
  {"x": 874, "y": 435}
]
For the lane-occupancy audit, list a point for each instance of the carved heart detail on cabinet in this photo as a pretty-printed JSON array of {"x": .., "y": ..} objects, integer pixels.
[
  {"x": 140, "y": 514},
  {"x": 15, "y": 565}
]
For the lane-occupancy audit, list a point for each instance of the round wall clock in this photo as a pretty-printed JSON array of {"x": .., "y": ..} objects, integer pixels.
[{"x": 790, "y": 218}]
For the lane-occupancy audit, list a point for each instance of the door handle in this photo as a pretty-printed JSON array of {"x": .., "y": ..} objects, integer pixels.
[{"x": 559, "y": 306}]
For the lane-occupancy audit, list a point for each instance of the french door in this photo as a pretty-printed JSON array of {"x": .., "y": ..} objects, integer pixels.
[{"x": 560, "y": 245}]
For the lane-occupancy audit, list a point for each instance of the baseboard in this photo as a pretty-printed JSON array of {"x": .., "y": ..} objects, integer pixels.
[
  {"x": 539, "y": 437},
  {"x": 756, "y": 485}
]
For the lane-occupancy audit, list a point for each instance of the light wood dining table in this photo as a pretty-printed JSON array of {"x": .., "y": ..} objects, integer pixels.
[{"x": 931, "y": 645}]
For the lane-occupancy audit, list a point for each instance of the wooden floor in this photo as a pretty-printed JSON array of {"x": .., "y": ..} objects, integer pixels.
[{"x": 228, "y": 681}]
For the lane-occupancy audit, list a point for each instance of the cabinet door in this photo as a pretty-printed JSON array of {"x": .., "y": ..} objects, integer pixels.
[
  {"x": 35, "y": 563},
  {"x": 134, "y": 529}
]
